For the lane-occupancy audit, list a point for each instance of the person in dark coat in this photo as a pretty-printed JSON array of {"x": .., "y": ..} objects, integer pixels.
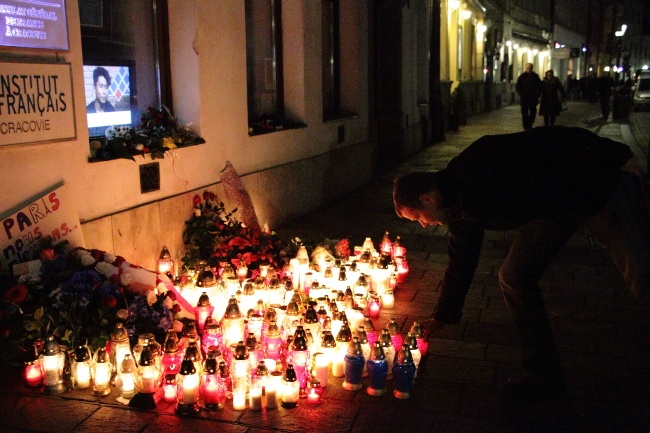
[
  {"x": 552, "y": 96},
  {"x": 605, "y": 85},
  {"x": 528, "y": 87},
  {"x": 543, "y": 183}
]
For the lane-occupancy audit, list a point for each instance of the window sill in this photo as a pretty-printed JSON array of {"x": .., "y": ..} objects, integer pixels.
[
  {"x": 268, "y": 126},
  {"x": 338, "y": 117},
  {"x": 132, "y": 154}
]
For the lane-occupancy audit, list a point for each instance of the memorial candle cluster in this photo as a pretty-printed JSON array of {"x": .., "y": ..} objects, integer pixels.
[{"x": 261, "y": 342}]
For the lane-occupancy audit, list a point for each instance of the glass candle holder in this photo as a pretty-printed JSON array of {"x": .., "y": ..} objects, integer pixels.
[
  {"x": 101, "y": 372},
  {"x": 338, "y": 358},
  {"x": 354, "y": 363},
  {"x": 404, "y": 373},
  {"x": 377, "y": 371},
  {"x": 127, "y": 377},
  {"x": 169, "y": 388},
  {"x": 233, "y": 323},
  {"x": 313, "y": 398},
  {"x": 290, "y": 388},
  {"x": 211, "y": 392},
  {"x": 272, "y": 342},
  {"x": 187, "y": 389},
  {"x": 202, "y": 311},
  {"x": 255, "y": 393},
  {"x": 52, "y": 361},
  {"x": 119, "y": 348},
  {"x": 239, "y": 391},
  {"x": 320, "y": 368},
  {"x": 32, "y": 373},
  {"x": 148, "y": 380},
  {"x": 373, "y": 306}
]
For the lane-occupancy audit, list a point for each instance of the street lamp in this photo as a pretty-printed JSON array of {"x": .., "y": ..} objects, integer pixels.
[{"x": 619, "y": 48}]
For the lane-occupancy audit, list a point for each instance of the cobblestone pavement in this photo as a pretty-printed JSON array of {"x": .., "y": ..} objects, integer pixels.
[{"x": 602, "y": 334}]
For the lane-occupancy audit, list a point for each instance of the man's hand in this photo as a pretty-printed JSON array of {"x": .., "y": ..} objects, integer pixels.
[
  {"x": 632, "y": 166},
  {"x": 431, "y": 326}
]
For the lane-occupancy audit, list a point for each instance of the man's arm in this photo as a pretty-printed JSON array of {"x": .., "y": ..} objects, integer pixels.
[
  {"x": 632, "y": 166},
  {"x": 464, "y": 248}
]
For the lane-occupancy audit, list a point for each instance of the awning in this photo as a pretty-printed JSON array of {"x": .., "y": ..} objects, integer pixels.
[{"x": 530, "y": 38}]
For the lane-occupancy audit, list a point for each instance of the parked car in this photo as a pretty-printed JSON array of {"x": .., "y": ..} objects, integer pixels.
[{"x": 642, "y": 91}]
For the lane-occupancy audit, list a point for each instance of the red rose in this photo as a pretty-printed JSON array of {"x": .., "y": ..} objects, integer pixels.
[
  {"x": 206, "y": 195},
  {"x": 118, "y": 261},
  {"x": 97, "y": 254},
  {"x": 171, "y": 295},
  {"x": 197, "y": 200},
  {"x": 238, "y": 241},
  {"x": 176, "y": 309},
  {"x": 110, "y": 301},
  {"x": 46, "y": 254},
  {"x": 17, "y": 293}
]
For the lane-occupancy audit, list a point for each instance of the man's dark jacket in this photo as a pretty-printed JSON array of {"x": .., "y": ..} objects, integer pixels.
[
  {"x": 503, "y": 181},
  {"x": 529, "y": 87}
]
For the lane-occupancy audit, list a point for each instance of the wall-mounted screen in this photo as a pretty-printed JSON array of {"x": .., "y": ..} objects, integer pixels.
[
  {"x": 110, "y": 93},
  {"x": 34, "y": 24}
]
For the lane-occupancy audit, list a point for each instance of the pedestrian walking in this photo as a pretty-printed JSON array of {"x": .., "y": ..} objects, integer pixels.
[
  {"x": 605, "y": 85},
  {"x": 553, "y": 95},
  {"x": 529, "y": 87},
  {"x": 544, "y": 183}
]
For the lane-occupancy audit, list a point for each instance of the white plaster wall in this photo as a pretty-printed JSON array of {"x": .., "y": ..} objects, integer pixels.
[
  {"x": 30, "y": 169},
  {"x": 287, "y": 173}
]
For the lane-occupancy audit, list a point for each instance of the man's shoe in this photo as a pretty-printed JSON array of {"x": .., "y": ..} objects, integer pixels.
[{"x": 534, "y": 387}]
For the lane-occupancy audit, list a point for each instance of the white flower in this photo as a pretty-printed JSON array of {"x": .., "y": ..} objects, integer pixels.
[
  {"x": 109, "y": 257},
  {"x": 122, "y": 314},
  {"x": 87, "y": 260},
  {"x": 139, "y": 147},
  {"x": 178, "y": 326},
  {"x": 110, "y": 132},
  {"x": 151, "y": 297},
  {"x": 81, "y": 252},
  {"x": 121, "y": 131},
  {"x": 105, "y": 269},
  {"x": 126, "y": 279},
  {"x": 29, "y": 279}
]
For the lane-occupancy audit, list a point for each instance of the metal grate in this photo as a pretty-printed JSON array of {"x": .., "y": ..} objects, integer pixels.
[{"x": 149, "y": 177}]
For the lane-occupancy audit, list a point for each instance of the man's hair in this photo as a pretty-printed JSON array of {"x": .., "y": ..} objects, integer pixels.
[
  {"x": 407, "y": 189},
  {"x": 101, "y": 72}
]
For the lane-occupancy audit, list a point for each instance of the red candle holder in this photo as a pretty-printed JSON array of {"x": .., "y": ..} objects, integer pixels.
[
  {"x": 32, "y": 374},
  {"x": 374, "y": 306}
]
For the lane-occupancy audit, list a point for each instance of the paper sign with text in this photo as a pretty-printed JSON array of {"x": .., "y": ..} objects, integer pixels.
[
  {"x": 34, "y": 24},
  {"x": 36, "y": 103},
  {"x": 54, "y": 215}
]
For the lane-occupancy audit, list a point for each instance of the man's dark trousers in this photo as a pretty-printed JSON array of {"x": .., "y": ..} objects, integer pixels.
[{"x": 528, "y": 112}]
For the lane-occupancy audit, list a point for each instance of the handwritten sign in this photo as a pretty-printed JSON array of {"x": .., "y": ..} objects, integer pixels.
[
  {"x": 53, "y": 215},
  {"x": 34, "y": 24},
  {"x": 36, "y": 103}
]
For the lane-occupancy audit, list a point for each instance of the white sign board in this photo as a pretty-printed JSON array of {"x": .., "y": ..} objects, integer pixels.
[
  {"x": 36, "y": 103},
  {"x": 34, "y": 24},
  {"x": 54, "y": 215},
  {"x": 561, "y": 53}
]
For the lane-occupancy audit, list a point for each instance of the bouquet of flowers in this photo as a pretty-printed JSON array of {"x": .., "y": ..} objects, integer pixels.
[
  {"x": 159, "y": 132},
  {"x": 214, "y": 235},
  {"x": 80, "y": 294}
]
